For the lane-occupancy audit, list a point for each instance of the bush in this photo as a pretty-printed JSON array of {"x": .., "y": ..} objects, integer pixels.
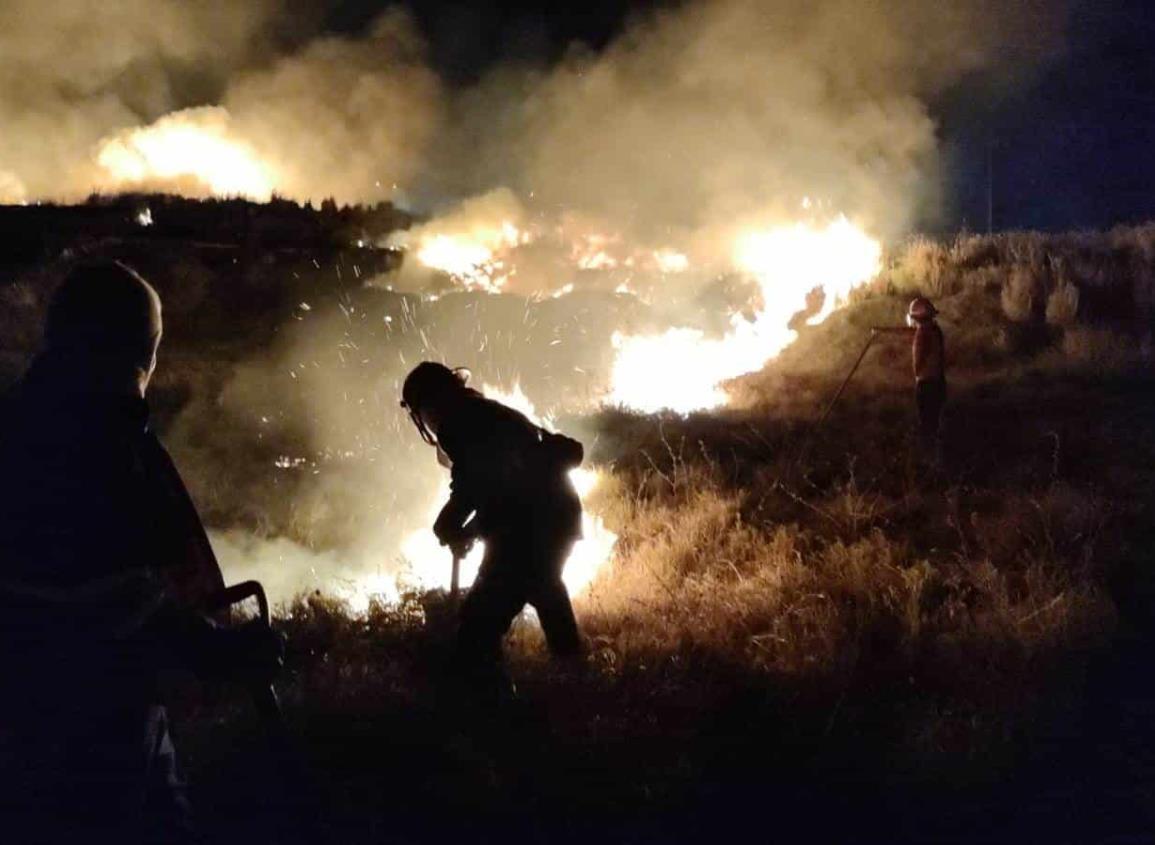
[
  {"x": 1021, "y": 293},
  {"x": 1063, "y": 305}
]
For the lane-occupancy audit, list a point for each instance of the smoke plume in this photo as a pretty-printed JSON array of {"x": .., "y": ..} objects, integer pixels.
[
  {"x": 631, "y": 170},
  {"x": 73, "y": 72}
]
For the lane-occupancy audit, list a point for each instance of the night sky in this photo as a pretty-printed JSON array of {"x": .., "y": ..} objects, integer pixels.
[{"x": 1071, "y": 148}]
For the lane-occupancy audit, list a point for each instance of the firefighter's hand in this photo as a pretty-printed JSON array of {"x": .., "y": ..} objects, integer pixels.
[
  {"x": 459, "y": 540},
  {"x": 251, "y": 653},
  {"x": 461, "y": 546}
]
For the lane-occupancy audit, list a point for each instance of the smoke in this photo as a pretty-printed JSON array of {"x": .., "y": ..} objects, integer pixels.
[
  {"x": 300, "y": 457},
  {"x": 73, "y": 72},
  {"x": 732, "y": 109},
  {"x": 631, "y": 169},
  {"x": 345, "y": 118},
  {"x": 706, "y": 120},
  {"x": 715, "y": 110}
]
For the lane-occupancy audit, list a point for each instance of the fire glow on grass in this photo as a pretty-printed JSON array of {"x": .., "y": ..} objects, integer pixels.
[
  {"x": 476, "y": 259},
  {"x": 478, "y": 246},
  {"x": 193, "y": 146},
  {"x": 428, "y": 564},
  {"x": 681, "y": 369}
]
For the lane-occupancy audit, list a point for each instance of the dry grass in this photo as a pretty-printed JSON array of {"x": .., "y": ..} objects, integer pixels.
[{"x": 782, "y": 599}]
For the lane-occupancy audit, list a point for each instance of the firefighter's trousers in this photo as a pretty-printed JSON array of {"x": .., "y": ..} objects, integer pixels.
[{"x": 517, "y": 570}]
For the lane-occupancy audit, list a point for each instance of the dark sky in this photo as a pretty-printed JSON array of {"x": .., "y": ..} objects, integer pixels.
[
  {"x": 466, "y": 37},
  {"x": 1074, "y": 148}
]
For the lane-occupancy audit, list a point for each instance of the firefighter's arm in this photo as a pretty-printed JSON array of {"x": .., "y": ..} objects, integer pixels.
[{"x": 450, "y": 526}]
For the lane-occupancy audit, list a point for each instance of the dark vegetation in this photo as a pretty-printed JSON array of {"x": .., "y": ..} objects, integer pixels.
[{"x": 805, "y": 632}]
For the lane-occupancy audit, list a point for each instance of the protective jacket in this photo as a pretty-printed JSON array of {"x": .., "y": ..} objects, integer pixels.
[
  {"x": 928, "y": 353},
  {"x": 512, "y": 473}
]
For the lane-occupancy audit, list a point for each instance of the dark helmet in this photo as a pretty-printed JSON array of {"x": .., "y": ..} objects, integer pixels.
[
  {"x": 104, "y": 310},
  {"x": 428, "y": 381},
  {"x": 921, "y": 309}
]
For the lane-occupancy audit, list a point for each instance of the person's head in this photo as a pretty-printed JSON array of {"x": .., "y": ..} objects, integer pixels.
[
  {"x": 107, "y": 319},
  {"x": 428, "y": 394},
  {"x": 921, "y": 311}
]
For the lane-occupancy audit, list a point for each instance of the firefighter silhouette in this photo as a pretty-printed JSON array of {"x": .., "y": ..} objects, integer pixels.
[
  {"x": 928, "y": 364},
  {"x": 510, "y": 488}
]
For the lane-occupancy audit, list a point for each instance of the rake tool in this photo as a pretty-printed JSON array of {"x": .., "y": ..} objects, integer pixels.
[
  {"x": 455, "y": 577},
  {"x": 834, "y": 400}
]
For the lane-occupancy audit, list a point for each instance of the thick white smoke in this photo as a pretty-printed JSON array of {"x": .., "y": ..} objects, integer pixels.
[
  {"x": 714, "y": 110},
  {"x": 343, "y": 118},
  {"x": 73, "y": 72},
  {"x": 632, "y": 168}
]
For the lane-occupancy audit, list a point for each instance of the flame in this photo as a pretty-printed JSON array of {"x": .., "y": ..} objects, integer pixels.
[
  {"x": 493, "y": 243},
  {"x": 681, "y": 369},
  {"x": 192, "y": 146},
  {"x": 428, "y": 564},
  {"x": 476, "y": 259},
  {"x": 12, "y": 190},
  {"x": 359, "y": 593},
  {"x": 789, "y": 262},
  {"x": 670, "y": 261},
  {"x": 592, "y": 252}
]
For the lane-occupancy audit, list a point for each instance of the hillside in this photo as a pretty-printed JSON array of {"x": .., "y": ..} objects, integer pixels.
[{"x": 804, "y": 628}]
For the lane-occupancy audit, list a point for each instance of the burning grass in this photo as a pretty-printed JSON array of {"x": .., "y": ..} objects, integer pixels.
[
  {"x": 762, "y": 622},
  {"x": 787, "y": 607}
]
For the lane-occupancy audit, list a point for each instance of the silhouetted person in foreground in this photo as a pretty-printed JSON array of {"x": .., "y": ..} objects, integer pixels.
[
  {"x": 104, "y": 565},
  {"x": 928, "y": 362},
  {"x": 511, "y": 489}
]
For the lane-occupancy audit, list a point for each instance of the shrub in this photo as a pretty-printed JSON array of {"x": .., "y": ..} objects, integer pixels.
[
  {"x": 924, "y": 266},
  {"x": 1021, "y": 293},
  {"x": 1063, "y": 304}
]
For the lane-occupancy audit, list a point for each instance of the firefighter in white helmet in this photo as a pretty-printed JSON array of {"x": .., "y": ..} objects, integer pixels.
[{"x": 928, "y": 362}]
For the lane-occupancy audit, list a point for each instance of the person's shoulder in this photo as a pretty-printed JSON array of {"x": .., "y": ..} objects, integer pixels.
[
  {"x": 480, "y": 418},
  {"x": 485, "y": 411}
]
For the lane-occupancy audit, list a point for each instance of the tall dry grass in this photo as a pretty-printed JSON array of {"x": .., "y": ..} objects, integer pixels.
[{"x": 1027, "y": 268}]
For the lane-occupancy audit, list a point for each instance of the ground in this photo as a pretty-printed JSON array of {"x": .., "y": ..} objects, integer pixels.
[{"x": 807, "y": 630}]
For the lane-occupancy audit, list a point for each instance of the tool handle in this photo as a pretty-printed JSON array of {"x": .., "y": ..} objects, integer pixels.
[
  {"x": 846, "y": 381},
  {"x": 455, "y": 577},
  {"x": 238, "y": 593}
]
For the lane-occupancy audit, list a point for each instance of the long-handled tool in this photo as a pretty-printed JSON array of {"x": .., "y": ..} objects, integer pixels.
[
  {"x": 849, "y": 376},
  {"x": 455, "y": 577},
  {"x": 834, "y": 400}
]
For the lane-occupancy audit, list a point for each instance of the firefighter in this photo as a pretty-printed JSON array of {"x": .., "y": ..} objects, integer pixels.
[
  {"x": 928, "y": 362},
  {"x": 510, "y": 488},
  {"x": 104, "y": 565}
]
